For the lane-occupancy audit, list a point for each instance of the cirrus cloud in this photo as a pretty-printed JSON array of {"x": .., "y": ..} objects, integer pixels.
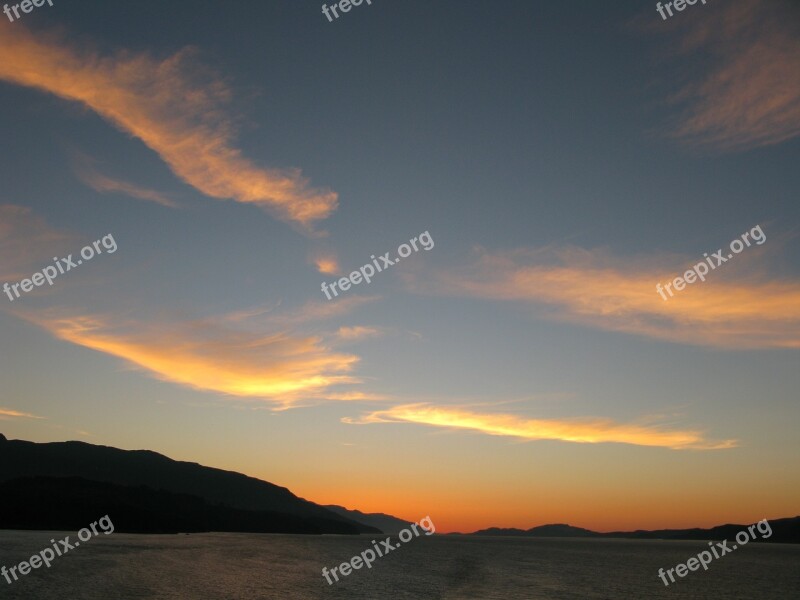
[
  {"x": 584, "y": 430},
  {"x": 7, "y": 413},
  {"x": 278, "y": 367},
  {"x": 746, "y": 92},
  {"x": 173, "y": 106},
  {"x": 593, "y": 288},
  {"x": 103, "y": 183}
]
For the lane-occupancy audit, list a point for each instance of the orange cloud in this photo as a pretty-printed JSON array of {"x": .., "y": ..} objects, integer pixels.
[
  {"x": 171, "y": 107},
  {"x": 593, "y": 289},
  {"x": 585, "y": 430},
  {"x": 101, "y": 183},
  {"x": 327, "y": 264},
  {"x": 202, "y": 355},
  {"x": 749, "y": 94},
  {"x": 7, "y": 413},
  {"x": 357, "y": 333}
]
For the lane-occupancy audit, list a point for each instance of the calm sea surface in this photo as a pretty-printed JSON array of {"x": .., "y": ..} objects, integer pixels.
[{"x": 248, "y": 566}]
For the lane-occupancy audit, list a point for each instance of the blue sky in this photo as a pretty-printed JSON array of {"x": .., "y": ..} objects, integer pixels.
[{"x": 564, "y": 157}]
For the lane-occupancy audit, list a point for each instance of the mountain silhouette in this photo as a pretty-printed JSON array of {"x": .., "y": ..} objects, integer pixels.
[
  {"x": 386, "y": 523},
  {"x": 70, "y": 503},
  {"x": 227, "y": 499}
]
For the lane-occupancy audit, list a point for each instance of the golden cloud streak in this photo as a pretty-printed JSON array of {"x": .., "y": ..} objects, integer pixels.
[
  {"x": 7, "y": 413},
  {"x": 203, "y": 356},
  {"x": 585, "y": 430},
  {"x": 169, "y": 107},
  {"x": 590, "y": 289}
]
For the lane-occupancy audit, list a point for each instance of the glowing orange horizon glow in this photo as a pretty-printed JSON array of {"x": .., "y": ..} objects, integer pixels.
[{"x": 469, "y": 506}]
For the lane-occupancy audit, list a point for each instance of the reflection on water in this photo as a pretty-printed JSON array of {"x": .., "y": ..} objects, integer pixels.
[{"x": 250, "y": 566}]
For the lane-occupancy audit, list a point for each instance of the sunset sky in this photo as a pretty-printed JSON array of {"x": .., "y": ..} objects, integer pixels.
[{"x": 564, "y": 157}]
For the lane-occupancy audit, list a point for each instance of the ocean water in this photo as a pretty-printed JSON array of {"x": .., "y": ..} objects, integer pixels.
[{"x": 253, "y": 566}]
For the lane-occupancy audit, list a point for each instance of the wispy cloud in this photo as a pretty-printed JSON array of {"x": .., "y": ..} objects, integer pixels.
[
  {"x": 257, "y": 353},
  {"x": 596, "y": 289},
  {"x": 357, "y": 332},
  {"x": 281, "y": 368},
  {"x": 748, "y": 91},
  {"x": 173, "y": 106},
  {"x": 356, "y": 396},
  {"x": 7, "y": 413},
  {"x": 317, "y": 310},
  {"x": 584, "y": 430},
  {"x": 102, "y": 183},
  {"x": 26, "y": 240},
  {"x": 273, "y": 317}
]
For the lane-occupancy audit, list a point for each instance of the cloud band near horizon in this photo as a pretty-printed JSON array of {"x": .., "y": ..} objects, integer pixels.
[{"x": 590, "y": 430}]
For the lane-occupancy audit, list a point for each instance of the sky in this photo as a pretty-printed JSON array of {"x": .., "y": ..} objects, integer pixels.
[{"x": 553, "y": 162}]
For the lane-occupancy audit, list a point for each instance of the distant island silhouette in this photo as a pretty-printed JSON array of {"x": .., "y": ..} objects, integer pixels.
[{"x": 785, "y": 531}]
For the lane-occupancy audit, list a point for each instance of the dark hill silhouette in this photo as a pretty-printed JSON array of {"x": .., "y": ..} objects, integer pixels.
[
  {"x": 134, "y": 468},
  {"x": 783, "y": 531},
  {"x": 386, "y": 523},
  {"x": 70, "y": 503}
]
